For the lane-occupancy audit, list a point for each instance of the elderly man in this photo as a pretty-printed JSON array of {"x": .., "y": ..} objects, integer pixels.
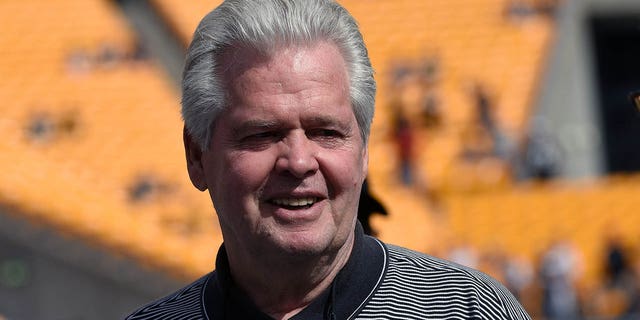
[{"x": 278, "y": 99}]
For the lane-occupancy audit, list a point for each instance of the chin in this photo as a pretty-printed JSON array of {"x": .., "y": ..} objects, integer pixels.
[{"x": 303, "y": 244}]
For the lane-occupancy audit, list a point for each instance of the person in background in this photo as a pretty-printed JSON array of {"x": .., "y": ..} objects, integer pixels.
[{"x": 368, "y": 205}]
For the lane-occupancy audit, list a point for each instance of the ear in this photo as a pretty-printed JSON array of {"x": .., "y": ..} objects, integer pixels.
[
  {"x": 365, "y": 160},
  {"x": 194, "y": 161}
]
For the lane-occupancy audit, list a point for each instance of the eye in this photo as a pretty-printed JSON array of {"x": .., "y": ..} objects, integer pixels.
[
  {"x": 327, "y": 137},
  {"x": 327, "y": 133},
  {"x": 261, "y": 135},
  {"x": 259, "y": 140}
]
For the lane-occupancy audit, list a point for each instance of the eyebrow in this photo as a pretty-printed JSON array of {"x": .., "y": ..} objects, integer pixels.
[
  {"x": 323, "y": 120},
  {"x": 255, "y": 124},
  {"x": 314, "y": 121}
]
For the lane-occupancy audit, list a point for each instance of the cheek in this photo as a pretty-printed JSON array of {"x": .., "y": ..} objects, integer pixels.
[
  {"x": 237, "y": 178},
  {"x": 344, "y": 171},
  {"x": 245, "y": 171}
]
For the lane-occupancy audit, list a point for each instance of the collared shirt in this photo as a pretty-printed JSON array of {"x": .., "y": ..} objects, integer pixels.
[
  {"x": 379, "y": 281},
  {"x": 355, "y": 282}
]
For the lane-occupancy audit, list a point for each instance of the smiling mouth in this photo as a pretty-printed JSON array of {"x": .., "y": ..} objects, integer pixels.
[{"x": 294, "y": 203}]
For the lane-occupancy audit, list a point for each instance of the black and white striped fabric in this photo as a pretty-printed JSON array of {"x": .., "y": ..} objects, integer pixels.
[
  {"x": 418, "y": 286},
  {"x": 405, "y": 285}
]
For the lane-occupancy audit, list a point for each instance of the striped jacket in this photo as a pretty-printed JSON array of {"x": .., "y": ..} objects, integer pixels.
[{"x": 379, "y": 281}]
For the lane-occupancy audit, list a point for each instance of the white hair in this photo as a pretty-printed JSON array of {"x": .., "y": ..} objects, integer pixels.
[{"x": 265, "y": 25}]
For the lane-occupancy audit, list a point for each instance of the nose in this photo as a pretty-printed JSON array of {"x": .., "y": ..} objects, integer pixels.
[{"x": 298, "y": 156}]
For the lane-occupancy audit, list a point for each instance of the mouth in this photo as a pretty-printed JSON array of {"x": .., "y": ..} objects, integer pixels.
[{"x": 294, "y": 203}]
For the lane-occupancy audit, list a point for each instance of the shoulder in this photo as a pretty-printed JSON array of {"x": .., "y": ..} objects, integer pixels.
[
  {"x": 408, "y": 261},
  {"x": 419, "y": 285},
  {"x": 426, "y": 269},
  {"x": 185, "y": 303}
]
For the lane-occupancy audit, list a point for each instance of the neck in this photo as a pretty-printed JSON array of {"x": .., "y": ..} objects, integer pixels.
[{"x": 283, "y": 286}]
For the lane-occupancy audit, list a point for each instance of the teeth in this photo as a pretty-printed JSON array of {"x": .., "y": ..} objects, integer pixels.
[{"x": 294, "y": 202}]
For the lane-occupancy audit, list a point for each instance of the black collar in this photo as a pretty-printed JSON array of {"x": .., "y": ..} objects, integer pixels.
[{"x": 348, "y": 293}]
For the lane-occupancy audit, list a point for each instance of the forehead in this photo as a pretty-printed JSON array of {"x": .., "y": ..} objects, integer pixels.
[
  {"x": 317, "y": 60},
  {"x": 314, "y": 76}
]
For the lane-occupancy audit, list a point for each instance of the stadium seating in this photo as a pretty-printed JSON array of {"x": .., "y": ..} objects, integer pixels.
[
  {"x": 525, "y": 220},
  {"x": 84, "y": 122},
  {"x": 183, "y": 16},
  {"x": 66, "y": 80},
  {"x": 92, "y": 145}
]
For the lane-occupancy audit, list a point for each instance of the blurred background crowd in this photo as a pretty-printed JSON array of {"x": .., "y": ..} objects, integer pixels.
[{"x": 504, "y": 140}]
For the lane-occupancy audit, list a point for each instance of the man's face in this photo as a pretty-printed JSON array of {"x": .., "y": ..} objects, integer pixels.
[{"x": 286, "y": 161}]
